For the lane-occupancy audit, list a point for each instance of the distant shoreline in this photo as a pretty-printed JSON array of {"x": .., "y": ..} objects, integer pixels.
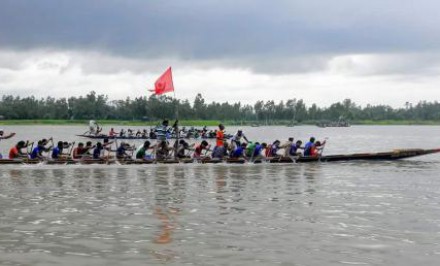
[{"x": 209, "y": 123}]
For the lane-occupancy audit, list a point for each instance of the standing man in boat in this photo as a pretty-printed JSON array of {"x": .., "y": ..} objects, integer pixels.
[
  {"x": 3, "y": 136},
  {"x": 162, "y": 131},
  {"x": 94, "y": 128},
  {"x": 236, "y": 139},
  {"x": 220, "y": 135}
]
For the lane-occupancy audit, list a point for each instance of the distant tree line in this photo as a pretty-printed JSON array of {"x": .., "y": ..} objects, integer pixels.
[{"x": 93, "y": 106}]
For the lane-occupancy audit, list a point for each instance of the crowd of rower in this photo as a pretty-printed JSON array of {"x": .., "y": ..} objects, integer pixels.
[
  {"x": 192, "y": 132},
  {"x": 237, "y": 147}
]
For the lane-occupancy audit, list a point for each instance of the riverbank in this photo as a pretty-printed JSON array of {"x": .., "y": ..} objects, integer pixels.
[{"x": 209, "y": 123}]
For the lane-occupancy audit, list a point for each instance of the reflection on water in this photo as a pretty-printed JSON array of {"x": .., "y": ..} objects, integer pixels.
[{"x": 312, "y": 214}]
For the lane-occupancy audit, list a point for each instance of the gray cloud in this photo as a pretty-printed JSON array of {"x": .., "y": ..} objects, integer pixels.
[{"x": 266, "y": 36}]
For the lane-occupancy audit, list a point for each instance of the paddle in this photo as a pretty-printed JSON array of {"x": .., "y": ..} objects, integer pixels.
[
  {"x": 71, "y": 148},
  {"x": 323, "y": 146},
  {"x": 27, "y": 148}
]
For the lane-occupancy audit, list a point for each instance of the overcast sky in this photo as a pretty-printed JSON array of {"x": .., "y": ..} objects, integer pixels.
[{"x": 376, "y": 51}]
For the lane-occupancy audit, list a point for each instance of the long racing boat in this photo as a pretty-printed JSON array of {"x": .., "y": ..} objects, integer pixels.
[
  {"x": 103, "y": 136},
  {"x": 381, "y": 156}
]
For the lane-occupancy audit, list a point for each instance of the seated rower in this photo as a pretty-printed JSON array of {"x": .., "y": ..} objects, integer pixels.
[
  {"x": 294, "y": 149},
  {"x": 311, "y": 149},
  {"x": 221, "y": 152},
  {"x": 308, "y": 147},
  {"x": 87, "y": 152},
  {"x": 162, "y": 150},
  {"x": 16, "y": 153},
  {"x": 112, "y": 133},
  {"x": 239, "y": 151},
  {"x": 97, "y": 151},
  {"x": 37, "y": 152},
  {"x": 78, "y": 151},
  {"x": 58, "y": 151},
  {"x": 287, "y": 146},
  {"x": 317, "y": 148},
  {"x": 199, "y": 149},
  {"x": 121, "y": 151},
  {"x": 259, "y": 151},
  {"x": 141, "y": 153},
  {"x": 273, "y": 149},
  {"x": 44, "y": 143},
  {"x": 182, "y": 148}
]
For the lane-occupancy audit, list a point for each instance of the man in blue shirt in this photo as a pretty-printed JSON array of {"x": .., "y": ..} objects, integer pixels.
[{"x": 308, "y": 147}]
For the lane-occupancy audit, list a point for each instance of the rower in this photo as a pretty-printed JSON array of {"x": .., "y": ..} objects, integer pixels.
[
  {"x": 121, "y": 151},
  {"x": 162, "y": 150},
  {"x": 239, "y": 151},
  {"x": 182, "y": 148},
  {"x": 78, "y": 151},
  {"x": 37, "y": 152},
  {"x": 287, "y": 146},
  {"x": 273, "y": 149},
  {"x": 317, "y": 148},
  {"x": 199, "y": 149},
  {"x": 58, "y": 151},
  {"x": 220, "y": 152},
  {"x": 97, "y": 151},
  {"x": 259, "y": 150},
  {"x": 295, "y": 147},
  {"x": 112, "y": 133},
  {"x": 88, "y": 150},
  {"x": 312, "y": 149},
  {"x": 15, "y": 152},
  {"x": 141, "y": 153}
]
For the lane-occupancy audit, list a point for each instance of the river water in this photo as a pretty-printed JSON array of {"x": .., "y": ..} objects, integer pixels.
[{"x": 352, "y": 213}]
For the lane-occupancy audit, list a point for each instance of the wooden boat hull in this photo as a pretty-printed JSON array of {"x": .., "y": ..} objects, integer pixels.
[{"x": 381, "y": 156}]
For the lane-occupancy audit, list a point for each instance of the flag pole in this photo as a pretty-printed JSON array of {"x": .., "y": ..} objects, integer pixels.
[{"x": 177, "y": 127}]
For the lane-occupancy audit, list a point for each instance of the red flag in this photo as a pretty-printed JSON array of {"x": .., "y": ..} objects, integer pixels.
[{"x": 164, "y": 83}]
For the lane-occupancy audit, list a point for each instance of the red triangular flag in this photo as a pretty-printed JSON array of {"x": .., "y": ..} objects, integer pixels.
[{"x": 164, "y": 83}]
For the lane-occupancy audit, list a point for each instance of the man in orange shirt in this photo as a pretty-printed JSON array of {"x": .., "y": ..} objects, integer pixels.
[
  {"x": 220, "y": 135},
  {"x": 15, "y": 152}
]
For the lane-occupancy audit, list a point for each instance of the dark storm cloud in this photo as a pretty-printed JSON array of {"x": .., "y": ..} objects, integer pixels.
[{"x": 263, "y": 35}]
